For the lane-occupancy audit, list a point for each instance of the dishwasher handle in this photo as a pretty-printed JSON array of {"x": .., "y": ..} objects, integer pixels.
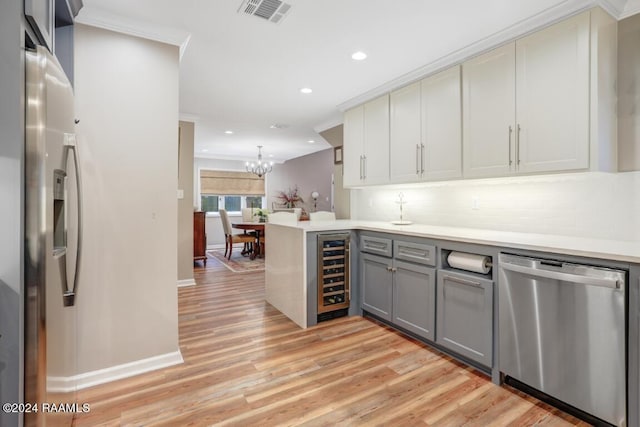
[{"x": 567, "y": 277}]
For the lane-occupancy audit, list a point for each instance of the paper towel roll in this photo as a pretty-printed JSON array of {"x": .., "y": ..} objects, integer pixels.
[{"x": 470, "y": 262}]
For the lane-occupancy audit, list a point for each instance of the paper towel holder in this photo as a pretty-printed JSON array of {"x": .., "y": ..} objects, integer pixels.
[{"x": 468, "y": 262}]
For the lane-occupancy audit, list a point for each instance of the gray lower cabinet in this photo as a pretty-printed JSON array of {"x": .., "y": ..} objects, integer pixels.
[
  {"x": 400, "y": 292},
  {"x": 465, "y": 315},
  {"x": 414, "y": 298},
  {"x": 376, "y": 278}
]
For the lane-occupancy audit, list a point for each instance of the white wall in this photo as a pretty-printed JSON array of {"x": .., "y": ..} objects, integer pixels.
[
  {"x": 127, "y": 103},
  {"x": 595, "y": 205}
]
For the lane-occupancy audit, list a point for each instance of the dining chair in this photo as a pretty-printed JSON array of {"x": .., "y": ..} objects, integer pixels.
[
  {"x": 230, "y": 238},
  {"x": 286, "y": 218},
  {"x": 247, "y": 214},
  {"x": 322, "y": 216}
]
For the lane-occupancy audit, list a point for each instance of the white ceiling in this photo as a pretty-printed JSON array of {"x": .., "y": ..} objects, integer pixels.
[{"x": 242, "y": 73}]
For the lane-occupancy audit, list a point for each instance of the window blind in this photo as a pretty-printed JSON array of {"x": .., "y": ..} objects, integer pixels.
[{"x": 230, "y": 183}]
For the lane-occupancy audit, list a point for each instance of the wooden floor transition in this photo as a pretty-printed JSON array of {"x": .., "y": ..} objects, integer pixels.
[{"x": 245, "y": 364}]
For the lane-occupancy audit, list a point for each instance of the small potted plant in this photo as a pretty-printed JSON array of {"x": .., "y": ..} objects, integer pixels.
[{"x": 261, "y": 214}]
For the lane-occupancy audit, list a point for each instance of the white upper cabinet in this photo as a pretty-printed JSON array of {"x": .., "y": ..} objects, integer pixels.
[
  {"x": 353, "y": 147},
  {"x": 441, "y": 126},
  {"x": 488, "y": 106},
  {"x": 543, "y": 103},
  {"x": 552, "y": 102},
  {"x": 526, "y": 104},
  {"x": 376, "y": 141},
  {"x": 406, "y": 134},
  {"x": 426, "y": 129},
  {"x": 366, "y": 143}
]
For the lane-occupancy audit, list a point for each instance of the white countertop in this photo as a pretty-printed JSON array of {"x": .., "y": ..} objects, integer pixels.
[{"x": 615, "y": 250}]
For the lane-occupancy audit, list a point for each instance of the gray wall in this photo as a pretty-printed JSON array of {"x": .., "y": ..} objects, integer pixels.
[
  {"x": 311, "y": 173},
  {"x": 185, "y": 205},
  {"x": 11, "y": 208},
  {"x": 629, "y": 94}
]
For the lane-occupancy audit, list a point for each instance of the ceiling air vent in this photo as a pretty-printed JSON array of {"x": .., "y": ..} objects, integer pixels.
[{"x": 271, "y": 10}]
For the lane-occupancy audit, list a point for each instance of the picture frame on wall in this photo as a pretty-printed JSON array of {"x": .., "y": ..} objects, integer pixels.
[{"x": 337, "y": 155}]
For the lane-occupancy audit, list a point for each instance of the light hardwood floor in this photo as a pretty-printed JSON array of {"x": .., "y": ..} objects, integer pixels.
[{"x": 245, "y": 364}]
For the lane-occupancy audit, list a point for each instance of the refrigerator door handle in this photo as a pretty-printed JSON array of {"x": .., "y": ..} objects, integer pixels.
[{"x": 70, "y": 145}]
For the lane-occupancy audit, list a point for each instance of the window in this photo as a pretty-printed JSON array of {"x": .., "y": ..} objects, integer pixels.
[
  {"x": 213, "y": 203},
  {"x": 209, "y": 203},
  {"x": 254, "y": 202},
  {"x": 230, "y": 190}
]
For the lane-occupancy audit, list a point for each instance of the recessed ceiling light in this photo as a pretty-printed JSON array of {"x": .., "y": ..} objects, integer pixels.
[
  {"x": 306, "y": 90},
  {"x": 311, "y": 141},
  {"x": 270, "y": 155},
  {"x": 228, "y": 132},
  {"x": 204, "y": 150},
  {"x": 359, "y": 56},
  {"x": 278, "y": 126}
]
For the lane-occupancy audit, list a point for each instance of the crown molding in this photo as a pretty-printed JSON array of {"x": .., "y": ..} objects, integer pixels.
[
  {"x": 632, "y": 8},
  {"x": 614, "y": 8},
  {"x": 543, "y": 19},
  {"x": 332, "y": 122},
  {"x": 100, "y": 18}
]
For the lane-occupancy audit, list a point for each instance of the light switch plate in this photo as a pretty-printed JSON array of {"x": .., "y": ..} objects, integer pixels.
[{"x": 180, "y": 194}]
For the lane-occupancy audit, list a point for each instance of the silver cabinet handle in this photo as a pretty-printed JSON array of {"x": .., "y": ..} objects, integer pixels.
[
  {"x": 567, "y": 277},
  {"x": 361, "y": 167},
  {"x": 510, "y": 132},
  {"x": 463, "y": 281},
  {"x": 518, "y": 144},
  {"x": 417, "y": 159},
  {"x": 421, "y": 159},
  {"x": 370, "y": 244},
  {"x": 364, "y": 167}
]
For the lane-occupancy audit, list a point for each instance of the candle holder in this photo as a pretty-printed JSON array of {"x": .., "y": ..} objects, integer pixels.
[{"x": 401, "y": 202}]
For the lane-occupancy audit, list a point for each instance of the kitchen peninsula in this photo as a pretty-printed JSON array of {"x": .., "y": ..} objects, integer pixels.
[{"x": 287, "y": 270}]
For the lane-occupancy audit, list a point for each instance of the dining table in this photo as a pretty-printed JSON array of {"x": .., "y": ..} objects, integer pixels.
[{"x": 258, "y": 228}]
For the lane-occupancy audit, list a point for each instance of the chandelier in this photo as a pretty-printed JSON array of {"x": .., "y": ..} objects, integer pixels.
[{"x": 261, "y": 168}]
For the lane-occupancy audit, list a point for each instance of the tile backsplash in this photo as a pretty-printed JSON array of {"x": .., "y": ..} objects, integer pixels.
[{"x": 594, "y": 205}]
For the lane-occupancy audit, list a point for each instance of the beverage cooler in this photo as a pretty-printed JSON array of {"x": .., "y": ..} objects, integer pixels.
[{"x": 334, "y": 278}]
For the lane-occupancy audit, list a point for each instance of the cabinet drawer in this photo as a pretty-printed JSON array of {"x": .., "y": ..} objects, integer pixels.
[
  {"x": 415, "y": 252},
  {"x": 376, "y": 245}
]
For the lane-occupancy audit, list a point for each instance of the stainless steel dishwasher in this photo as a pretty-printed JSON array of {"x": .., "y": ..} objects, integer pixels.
[{"x": 562, "y": 332}]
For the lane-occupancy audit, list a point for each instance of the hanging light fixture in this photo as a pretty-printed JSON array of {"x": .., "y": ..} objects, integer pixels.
[{"x": 261, "y": 168}]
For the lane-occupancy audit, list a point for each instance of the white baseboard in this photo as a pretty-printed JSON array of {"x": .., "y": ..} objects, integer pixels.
[
  {"x": 101, "y": 376},
  {"x": 186, "y": 282}
]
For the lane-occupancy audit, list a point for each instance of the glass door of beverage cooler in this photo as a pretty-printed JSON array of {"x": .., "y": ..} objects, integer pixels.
[{"x": 334, "y": 285}]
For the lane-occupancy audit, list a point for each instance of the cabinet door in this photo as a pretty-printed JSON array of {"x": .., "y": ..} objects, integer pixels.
[
  {"x": 353, "y": 144},
  {"x": 376, "y": 141},
  {"x": 406, "y": 134},
  {"x": 376, "y": 285},
  {"x": 488, "y": 113},
  {"x": 414, "y": 298},
  {"x": 552, "y": 85},
  {"x": 442, "y": 125},
  {"x": 465, "y": 315}
]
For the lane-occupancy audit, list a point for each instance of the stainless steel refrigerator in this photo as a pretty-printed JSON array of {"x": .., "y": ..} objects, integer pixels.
[{"x": 52, "y": 241}]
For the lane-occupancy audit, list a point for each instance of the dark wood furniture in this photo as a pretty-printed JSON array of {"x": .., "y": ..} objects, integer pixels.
[
  {"x": 258, "y": 227},
  {"x": 199, "y": 237}
]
